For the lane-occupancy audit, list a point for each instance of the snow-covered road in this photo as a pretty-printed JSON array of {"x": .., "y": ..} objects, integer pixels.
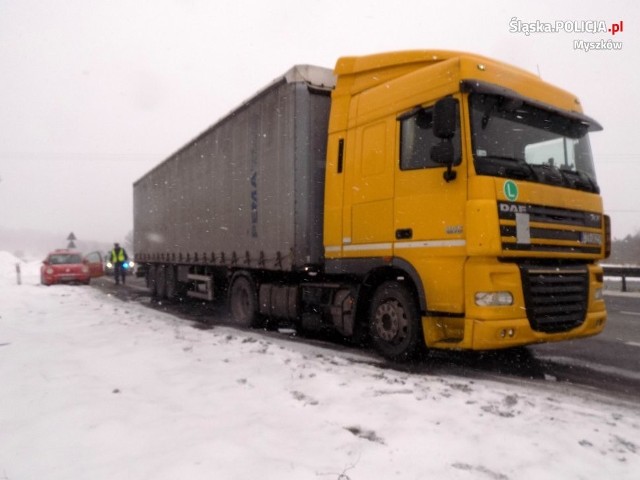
[{"x": 96, "y": 388}]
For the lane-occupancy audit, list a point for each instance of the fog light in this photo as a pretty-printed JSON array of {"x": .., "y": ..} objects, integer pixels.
[
  {"x": 598, "y": 294},
  {"x": 507, "y": 332},
  {"x": 494, "y": 299}
]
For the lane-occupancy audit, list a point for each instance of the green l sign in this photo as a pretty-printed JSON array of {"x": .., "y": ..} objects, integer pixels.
[{"x": 510, "y": 190}]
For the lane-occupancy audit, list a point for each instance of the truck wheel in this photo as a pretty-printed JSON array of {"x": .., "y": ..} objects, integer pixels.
[
  {"x": 171, "y": 282},
  {"x": 243, "y": 303},
  {"x": 161, "y": 281},
  {"x": 394, "y": 323},
  {"x": 151, "y": 281}
]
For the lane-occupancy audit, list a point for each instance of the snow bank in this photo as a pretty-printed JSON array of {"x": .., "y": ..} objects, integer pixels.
[
  {"x": 8, "y": 275},
  {"x": 7, "y": 266},
  {"x": 96, "y": 388}
]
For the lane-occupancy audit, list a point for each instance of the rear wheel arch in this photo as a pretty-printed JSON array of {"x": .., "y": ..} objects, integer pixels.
[
  {"x": 377, "y": 277},
  {"x": 412, "y": 277}
]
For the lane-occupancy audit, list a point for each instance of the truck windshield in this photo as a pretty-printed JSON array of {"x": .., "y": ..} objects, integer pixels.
[{"x": 516, "y": 140}]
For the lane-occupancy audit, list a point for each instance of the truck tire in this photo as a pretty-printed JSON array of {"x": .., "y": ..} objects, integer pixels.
[
  {"x": 151, "y": 281},
  {"x": 243, "y": 302},
  {"x": 161, "y": 281},
  {"x": 395, "y": 326},
  {"x": 171, "y": 282}
]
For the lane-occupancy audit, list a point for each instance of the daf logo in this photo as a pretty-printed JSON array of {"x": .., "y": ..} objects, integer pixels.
[{"x": 512, "y": 208}]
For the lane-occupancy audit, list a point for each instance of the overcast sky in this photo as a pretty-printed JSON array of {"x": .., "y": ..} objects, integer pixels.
[{"x": 93, "y": 94}]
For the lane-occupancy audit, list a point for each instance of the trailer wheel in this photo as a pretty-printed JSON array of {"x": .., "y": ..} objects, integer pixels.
[
  {"x": 161, "y": 281},
  {"x": 171, "y": 282},
  {"x": 151, "y": 281},
  {"x": 243, "y": 302},
  {"x": 394, "y": 323}
]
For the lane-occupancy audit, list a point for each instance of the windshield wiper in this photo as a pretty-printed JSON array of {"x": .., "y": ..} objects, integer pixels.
[
  {"x": 519, "y": 167},
  {"x": 580, "y": 180}
]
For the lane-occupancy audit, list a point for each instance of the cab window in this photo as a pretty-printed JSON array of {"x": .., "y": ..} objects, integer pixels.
[{"x": 417, "y": 139}]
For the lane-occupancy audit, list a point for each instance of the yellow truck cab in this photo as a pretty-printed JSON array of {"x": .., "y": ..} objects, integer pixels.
[{"x": 473, "y": 181}]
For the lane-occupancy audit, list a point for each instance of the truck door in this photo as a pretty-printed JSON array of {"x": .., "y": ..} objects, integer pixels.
[
  {"x": 429, "y": 210},
  {"x": 369, "y": 188}
]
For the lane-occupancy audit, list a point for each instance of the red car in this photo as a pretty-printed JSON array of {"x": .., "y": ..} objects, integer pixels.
[{"x": 70, "y": 266}]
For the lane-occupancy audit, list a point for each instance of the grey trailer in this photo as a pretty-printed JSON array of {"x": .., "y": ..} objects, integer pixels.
[{"x": 247, "y": 193}]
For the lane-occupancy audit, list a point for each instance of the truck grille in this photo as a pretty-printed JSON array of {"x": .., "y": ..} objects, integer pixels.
[
  {"x": 555, "y": 299},
  {"x": 550, "y": 229}
]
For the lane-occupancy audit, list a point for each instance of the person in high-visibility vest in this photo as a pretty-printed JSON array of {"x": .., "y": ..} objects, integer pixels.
[{"x": 118, "y": 258}]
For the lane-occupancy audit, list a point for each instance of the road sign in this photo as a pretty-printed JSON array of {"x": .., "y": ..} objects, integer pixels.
[{"x": 71, "y": 239}]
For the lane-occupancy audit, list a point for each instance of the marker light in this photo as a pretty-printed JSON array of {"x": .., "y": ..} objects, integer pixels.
[{"x": 494, "y": 299}]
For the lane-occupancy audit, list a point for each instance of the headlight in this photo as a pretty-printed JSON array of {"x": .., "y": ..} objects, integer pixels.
[
  {"x": 494, "y": 299},
  {"x": 85, "y": 269},
  {"x": 109, "y": 265},
  {"x": 49, "y": 271}
]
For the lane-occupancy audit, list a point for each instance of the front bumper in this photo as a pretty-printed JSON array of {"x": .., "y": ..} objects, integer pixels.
[{"x": 550, "y": 304}]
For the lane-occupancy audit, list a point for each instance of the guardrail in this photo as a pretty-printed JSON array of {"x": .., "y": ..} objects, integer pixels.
[{"x": 622, "y": 272}]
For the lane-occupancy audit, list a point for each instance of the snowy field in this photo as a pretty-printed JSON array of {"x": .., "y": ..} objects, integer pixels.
[{"x": 95, "y": 388}]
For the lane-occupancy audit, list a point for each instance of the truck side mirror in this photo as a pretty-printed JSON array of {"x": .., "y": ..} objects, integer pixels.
[
  {"x": 445, "y": 116},
  {"x": 445, "y": 113},
  {"x": 443, "y": 154}
]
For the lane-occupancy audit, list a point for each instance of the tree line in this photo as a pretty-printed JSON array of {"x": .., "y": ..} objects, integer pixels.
[{"x": 625, "y": 251}]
